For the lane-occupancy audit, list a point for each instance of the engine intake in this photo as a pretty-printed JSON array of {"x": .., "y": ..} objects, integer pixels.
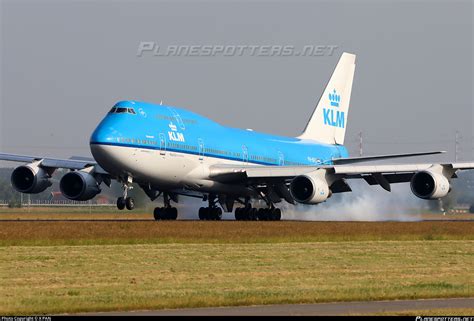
[
  {"x": 309, "y": 189},
  {"x": 79, "y": 186},
  {"x": 429, "y": 185},
  {"x": 30, "y": 179}
]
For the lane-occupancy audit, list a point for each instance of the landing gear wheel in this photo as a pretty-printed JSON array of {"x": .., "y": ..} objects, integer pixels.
[
  {"x": 129, "y": 203},
  {"x": 276, "y": 214},
  {"x": 202, "y": 213},
  {"x": 165, "y": 213},
  {"x": 253, "y": 214},
  {"x": 262, "y": 214},
  {"x": 216, "y": 213},
  {"x": 173, "y": 213},
  {"x": 170, "y": 213},
  {"x": 238, "y": 210},
  {"x": 244, "y": 214},
  {"x": 157, "y": 213},
  {"x": 121, "y": 203},
  {"x": 210, "y": 213}
]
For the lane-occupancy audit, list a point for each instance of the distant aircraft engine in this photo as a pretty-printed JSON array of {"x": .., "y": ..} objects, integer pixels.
[
  {"x": 79, "y": 186},
  {"x": 429, "y": 185},
  {"x": 30, "y": 179},
  {"x": 309, "y": 189}
]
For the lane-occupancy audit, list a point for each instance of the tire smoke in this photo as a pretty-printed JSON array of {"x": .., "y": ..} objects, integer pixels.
[{"x": 364, "y": 203}]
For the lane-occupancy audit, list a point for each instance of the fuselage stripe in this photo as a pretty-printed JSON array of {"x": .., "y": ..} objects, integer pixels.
[{"x": 184, "y": 152}]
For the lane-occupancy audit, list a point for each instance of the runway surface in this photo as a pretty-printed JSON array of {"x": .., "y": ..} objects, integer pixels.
[{"x": 337, "y": 308}]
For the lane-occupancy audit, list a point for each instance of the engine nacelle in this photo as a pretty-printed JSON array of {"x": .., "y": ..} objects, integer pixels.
[
  {"x": 309, "y": 189},
  {"x": 429, "y": 185},
  {"x": 30, "y": 179},
  {"x": 79, "y": 186}
]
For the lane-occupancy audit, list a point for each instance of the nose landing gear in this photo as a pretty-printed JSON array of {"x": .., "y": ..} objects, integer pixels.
[{"x": 124, "y": 201}]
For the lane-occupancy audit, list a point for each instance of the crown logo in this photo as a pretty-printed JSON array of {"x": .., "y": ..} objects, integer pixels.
[
  {"x": 172, "y": 126},
  {"x": 334, "y": 98}
]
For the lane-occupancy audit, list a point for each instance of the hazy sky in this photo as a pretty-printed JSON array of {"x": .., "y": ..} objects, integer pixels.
[{"x": 65, "y": 63}]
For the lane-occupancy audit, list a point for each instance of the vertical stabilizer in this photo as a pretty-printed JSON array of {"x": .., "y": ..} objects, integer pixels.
[{"x": 328, "y": 122}]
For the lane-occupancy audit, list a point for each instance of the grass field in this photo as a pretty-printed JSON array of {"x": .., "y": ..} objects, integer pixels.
[
  {"x": 139, "y": 232},
  {"x": 56, "y": 267},
  {"x": 55, "y": 279}
]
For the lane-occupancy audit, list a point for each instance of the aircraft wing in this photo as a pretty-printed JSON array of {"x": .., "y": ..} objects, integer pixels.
[
  {"x": 72, "y": 163},
  {"x": 382, "y": 175}
]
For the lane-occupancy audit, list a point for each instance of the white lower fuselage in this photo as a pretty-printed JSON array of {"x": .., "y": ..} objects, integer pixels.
[{"x": 165, "y": 170}]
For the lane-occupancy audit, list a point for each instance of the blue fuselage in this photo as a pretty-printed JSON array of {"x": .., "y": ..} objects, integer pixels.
[{"x": 158, "y": 127}]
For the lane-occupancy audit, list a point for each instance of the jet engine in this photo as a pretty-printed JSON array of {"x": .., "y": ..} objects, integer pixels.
[
  {"x": 30, "y": 178},
  {"x": 79, "y": 186},
  {"x": 310, "y": 189},
  {"x": 429, "y": 185}
]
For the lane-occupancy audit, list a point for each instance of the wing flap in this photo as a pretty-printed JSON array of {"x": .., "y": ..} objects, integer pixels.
[
  {"x": 370, "y": 169},
  {"x": 391, "y": 178},
  {"x": 235, "y": 173},
  {"x": 342, "y": 161}
]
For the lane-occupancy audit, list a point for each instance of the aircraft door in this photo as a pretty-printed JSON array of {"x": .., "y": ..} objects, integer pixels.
[
  {"x": 281, "y": 159},
  {"x": 162, "y": 144},
  {"x": 245, "y": 154},
  {"x": 201, "y": 149}
]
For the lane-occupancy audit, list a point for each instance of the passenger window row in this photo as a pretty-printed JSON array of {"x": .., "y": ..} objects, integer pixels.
[
  {"x": 293, "y": 163},
  {"x": 262, "y": 158},
  {"x": 207, "y": 150},
  {"x": 186, "y": 147},
  {"x": 137, "y": 141}
]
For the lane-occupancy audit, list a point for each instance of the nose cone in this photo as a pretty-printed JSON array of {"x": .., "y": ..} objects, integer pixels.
[
  {"x": 102, "y": 142},
  {"x": 105, "y": 133}
]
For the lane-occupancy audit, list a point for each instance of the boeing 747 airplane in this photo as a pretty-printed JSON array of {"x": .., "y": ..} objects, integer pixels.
[{"x": 174, "y": 152}]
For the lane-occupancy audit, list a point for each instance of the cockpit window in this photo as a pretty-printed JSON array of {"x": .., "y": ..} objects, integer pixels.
[{"x": 122, "y": 110}]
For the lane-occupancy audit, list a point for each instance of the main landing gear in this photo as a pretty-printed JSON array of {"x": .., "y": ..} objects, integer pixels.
[
  {"x": 211, "y": 213},
  {"x": 167, "y": 212},
  {"x": 249, "y": 213},
  {"x": 124, "y": 201}
]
